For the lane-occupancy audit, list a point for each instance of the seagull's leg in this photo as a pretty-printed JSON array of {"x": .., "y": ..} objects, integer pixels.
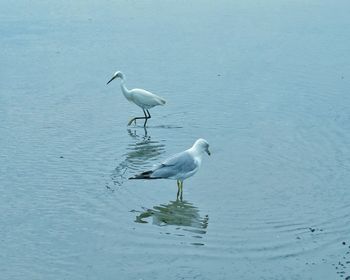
[{"x": 178, "y": 189}]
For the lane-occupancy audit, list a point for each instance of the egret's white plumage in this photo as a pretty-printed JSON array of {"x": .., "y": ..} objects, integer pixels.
[
  {"x": 180, "y": 166},
  {"x": 142, "y": 98}
]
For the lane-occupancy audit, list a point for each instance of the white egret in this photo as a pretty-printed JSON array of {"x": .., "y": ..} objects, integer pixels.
[
  {"x": 142, "y": 98},
  {"x": 180, "y": 166}
]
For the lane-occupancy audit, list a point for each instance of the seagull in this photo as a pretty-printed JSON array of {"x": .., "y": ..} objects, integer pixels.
[
  {"x": 142, "y": 98},
  {"x": 180, "y": 166}
]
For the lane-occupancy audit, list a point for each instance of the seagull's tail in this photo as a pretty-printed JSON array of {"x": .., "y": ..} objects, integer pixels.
[{"x": 144, "y": 175}]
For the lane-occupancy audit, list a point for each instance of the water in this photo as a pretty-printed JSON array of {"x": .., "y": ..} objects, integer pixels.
[{"x": 266, "y": 83}]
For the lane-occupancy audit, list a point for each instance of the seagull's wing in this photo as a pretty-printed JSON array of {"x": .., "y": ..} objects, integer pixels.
[{"x": 179, "y": 164}]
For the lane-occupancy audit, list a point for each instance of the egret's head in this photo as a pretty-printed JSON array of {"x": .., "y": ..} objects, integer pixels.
[
  {"x": 117, "y": 74},
  {"x": 202, "y": 145}
]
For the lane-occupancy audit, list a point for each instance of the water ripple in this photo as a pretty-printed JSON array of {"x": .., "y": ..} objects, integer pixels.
[{"x": 141, "y": 154}]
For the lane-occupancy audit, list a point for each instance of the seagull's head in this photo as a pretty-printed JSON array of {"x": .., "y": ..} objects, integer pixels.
[
  {"x": 117, "y": 74},
  {"x": 202, "y": 145}
]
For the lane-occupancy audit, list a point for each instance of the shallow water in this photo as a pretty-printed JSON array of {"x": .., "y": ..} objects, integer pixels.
[{"x": 265, "y": 83}]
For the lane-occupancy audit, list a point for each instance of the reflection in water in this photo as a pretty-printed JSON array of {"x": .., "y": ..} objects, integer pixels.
[
  {"x": 141, "y": 154},
  {"x": 182, "y": 214}
]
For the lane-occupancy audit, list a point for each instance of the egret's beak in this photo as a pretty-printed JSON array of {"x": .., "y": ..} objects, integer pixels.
[
  {"x": 111, "y": 79},
  {"x": 208, "y": 152}
]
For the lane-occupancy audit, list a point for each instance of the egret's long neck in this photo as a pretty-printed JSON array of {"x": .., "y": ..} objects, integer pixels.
[{"x": 124, "y": 89}]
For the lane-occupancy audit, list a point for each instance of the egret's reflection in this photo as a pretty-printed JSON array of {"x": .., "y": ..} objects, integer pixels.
[
  {"x": 182, "y": 214},
  {"x": 134, "y": 134},
  {"x": 141, "y": 153}
]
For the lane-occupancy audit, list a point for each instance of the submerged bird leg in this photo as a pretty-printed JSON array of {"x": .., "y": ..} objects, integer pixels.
[{"x": 145, "y": 136}]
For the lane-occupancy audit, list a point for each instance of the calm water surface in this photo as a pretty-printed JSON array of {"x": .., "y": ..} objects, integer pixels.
[{"x": 266, "y": 83}]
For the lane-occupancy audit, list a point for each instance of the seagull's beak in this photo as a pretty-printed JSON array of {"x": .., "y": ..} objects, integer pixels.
[
  {"x": 208, "y": 152},
  {"x": 111, "y": 79}
]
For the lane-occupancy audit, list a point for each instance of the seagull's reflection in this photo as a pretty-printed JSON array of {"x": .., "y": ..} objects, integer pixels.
[
  {"x": 182, "y": 214},
  {"x": 142, "y": 153}
]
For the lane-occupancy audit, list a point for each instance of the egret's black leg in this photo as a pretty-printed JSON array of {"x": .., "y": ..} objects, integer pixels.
[
  {"x": 139, "y": 118},
  {"x": 145, "y": 136},
  {"x": 134, "y": 120},
  {"x": 178, "y": 189},
  {"x": 148, "y": 116},
  {"x": 181, "y": 187}
]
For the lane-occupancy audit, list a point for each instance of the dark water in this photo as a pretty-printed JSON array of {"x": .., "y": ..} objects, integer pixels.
[{"x": 265, "y": 82}]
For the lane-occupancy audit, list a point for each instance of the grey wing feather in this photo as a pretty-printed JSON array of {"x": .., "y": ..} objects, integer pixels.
[{"x": 179, "y": 163}]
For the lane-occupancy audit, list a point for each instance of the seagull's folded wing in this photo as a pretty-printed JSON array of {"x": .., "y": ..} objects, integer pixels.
[{"x": 179, "y": 164}]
